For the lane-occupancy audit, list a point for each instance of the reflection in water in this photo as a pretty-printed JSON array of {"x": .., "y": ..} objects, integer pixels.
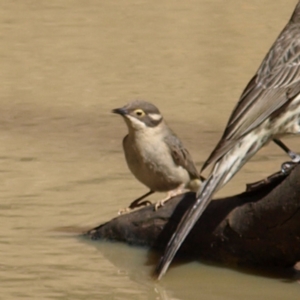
[
  {"x": 64, "y": 66},
  {"x": 189, "y": 280}
]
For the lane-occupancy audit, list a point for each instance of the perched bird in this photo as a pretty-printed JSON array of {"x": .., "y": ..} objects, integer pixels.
[
  {"x": 154, "y": 154},
  {"x": 269, "y": 107}
]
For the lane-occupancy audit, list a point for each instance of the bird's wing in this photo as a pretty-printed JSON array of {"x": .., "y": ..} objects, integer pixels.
[
  {"x": 278, "y": 77},
  {"x": 275, "y": 84},
  {"x": 181, "y": 155}
]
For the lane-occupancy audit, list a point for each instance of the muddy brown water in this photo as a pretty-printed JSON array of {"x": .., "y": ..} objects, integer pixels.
[{"x": 64, "y": 66}]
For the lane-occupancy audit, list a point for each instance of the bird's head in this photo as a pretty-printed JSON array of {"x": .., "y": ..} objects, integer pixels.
[{"x": 140, "y": 115}]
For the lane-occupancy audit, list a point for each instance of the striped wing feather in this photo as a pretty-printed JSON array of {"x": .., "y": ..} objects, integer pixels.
[{"x": 274, "y": 85}]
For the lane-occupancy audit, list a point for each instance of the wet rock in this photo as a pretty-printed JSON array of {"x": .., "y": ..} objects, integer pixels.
[{"x": 260, "y": 227}]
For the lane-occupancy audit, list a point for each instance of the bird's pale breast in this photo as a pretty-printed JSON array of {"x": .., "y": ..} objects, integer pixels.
[{"x": 149, "y": 159}]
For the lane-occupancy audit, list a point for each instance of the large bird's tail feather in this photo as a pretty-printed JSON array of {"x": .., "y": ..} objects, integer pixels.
[
  {"x": 223, "y": 171},
  {"x": 192, "y": 215}
]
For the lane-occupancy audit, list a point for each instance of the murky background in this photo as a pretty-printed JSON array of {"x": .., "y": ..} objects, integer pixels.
[{"x": 64, "y": 66}]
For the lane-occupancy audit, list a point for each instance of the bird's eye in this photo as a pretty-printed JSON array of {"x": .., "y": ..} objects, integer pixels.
[{"x": 139, "y": 112}]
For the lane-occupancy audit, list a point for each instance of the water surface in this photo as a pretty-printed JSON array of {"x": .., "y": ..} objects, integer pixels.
[{"x": 64, "y": 66}]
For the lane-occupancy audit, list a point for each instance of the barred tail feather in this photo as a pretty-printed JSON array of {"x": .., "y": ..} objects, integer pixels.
[
  {"x": 188, "y": 221},
  {"x": 223, "y": 171}
]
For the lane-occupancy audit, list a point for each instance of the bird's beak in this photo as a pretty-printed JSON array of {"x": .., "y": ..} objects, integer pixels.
[{"x": 120, "y": 111}]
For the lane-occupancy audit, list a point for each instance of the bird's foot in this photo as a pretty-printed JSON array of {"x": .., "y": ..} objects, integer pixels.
[
  {"x": 170, "y": 195},
  {"x": 123, "y": 211},
  {"x": 288, "y": 166},
  {"x": 160, "y": 203},
  {"x": 137, "y": 203},
  {"x": 132, "y": 207}
]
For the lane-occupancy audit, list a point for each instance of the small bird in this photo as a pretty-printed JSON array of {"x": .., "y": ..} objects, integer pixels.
[
  {"x": 154, "y": 154},
  {"x": 268, "y": 108}
]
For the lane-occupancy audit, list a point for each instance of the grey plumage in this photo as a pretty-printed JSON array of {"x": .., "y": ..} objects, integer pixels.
[
  {"x": 271, "y": 89},
  {"x": 180, "y": 155},
  {"x": 154, "y": 154},
  {"x": 268, "y": 107}
]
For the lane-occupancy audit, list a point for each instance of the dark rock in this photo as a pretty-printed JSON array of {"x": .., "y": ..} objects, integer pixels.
[{"x": 260, "y": 227}]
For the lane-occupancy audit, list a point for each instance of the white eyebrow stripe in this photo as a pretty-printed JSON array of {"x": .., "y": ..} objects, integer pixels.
[{"x": 155, "y": 117}]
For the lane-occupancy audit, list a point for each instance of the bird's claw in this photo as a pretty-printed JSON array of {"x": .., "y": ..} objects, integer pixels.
[
  {"x": 124, "y": 211},
  {"x": 159, "y": 204},
  {"x": 288, "y": 166},
  {"x": 130, "y": 208}
]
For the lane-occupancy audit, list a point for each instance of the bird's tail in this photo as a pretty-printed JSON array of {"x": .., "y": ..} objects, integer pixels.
[
  {"x": 187, "y": 223},
  {"x": 221, "y": 174}
]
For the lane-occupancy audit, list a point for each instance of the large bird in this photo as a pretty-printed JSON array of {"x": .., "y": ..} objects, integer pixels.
[{"x": 268, "y": 108}]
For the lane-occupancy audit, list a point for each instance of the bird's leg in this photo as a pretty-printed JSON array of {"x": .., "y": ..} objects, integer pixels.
[
  {"x": 170, "y": 195},
  {"x": 286, "y": 168},
  {"x": 136, "y": 203},
  {"x": 294, "y": 156}
]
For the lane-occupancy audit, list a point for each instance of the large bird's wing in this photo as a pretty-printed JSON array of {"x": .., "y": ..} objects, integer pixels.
[{"x": 275, "y": 84}]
